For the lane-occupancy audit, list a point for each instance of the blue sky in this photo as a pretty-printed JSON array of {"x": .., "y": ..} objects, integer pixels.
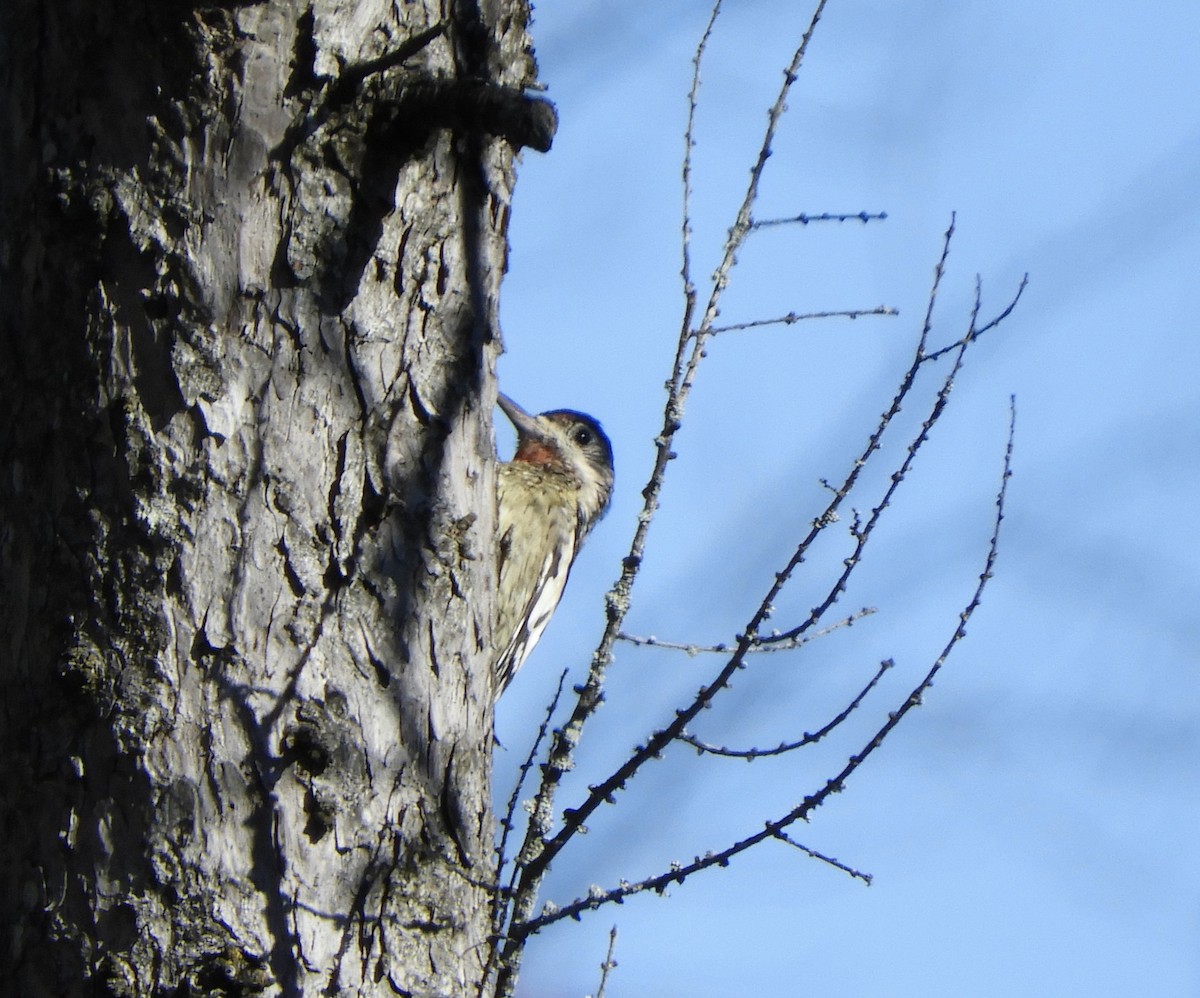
[{"x": 1033, "y": 828}]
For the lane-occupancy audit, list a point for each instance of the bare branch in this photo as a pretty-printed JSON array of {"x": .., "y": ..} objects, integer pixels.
[
  {"x": 689, "y": 143},
  {"x": 534, "y": 858},
  {"x": 939, "y": 271},
  {"x": 771, "y": 643},
  {"x": 502, "y": 894},
  {"x": 987, "y": 326},
  {"x": 866, "y": 878},
  {"x": 609, "y": 963},
  {"x": 573, "y": 819},
  {"x": 678, "y": 873},
  {"x": 825, "y": 216},
  {"x": 513, "y": 918},
  {"x": 786, "y": 641},
  {"x": 792, "y": 317},
  {"x": 859, "y": 531},
  {"x": 751, "y": 754}
]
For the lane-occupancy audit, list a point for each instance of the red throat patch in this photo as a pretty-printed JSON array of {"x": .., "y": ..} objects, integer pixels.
[{"x": 536, "y": 452}]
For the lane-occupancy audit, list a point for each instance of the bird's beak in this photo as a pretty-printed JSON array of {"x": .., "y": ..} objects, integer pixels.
[{"x": 526, "y": 424}]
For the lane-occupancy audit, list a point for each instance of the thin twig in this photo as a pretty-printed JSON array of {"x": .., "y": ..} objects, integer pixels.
[
  {"x": 689, "y": 143},
  {"x": 859, "y": 531},
  {"x": 501, "y": 894},
  {"x": 678, "y": 872},
  {"x": 534, "y": 859},
  {"x": 604, "y": 791},
  {"x": 987, "y": 326},
  {"x": 549, "y": 846},
  {"x": 771, "y": 643},
  {"x": 808, "y": 738},
  {"x": 793, "y": 317},
  {"x": 609, "y": 963},
  {"x": 825, "y": 216},
  {"x": 866, "y": 878},
  {"x": 788, "y": 640}
]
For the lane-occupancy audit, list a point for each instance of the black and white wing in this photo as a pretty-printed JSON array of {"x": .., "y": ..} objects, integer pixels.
[{"x": 537, "y": 547}]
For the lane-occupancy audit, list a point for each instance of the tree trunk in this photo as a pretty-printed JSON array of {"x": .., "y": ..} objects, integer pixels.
[{"x": 248, "y": 281}]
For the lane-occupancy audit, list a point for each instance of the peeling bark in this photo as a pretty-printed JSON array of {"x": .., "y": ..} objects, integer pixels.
[{"x": 249, "y": 270}]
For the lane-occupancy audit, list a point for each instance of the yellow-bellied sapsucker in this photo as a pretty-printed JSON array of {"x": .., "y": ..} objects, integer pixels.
[{"x": 551, "y": 494}]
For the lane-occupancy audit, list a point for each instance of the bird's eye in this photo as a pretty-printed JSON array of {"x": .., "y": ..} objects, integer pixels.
[{"x": 583, "y": 436}]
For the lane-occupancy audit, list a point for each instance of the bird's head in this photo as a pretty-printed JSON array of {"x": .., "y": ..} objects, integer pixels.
[{"x": 569, "y": 443}]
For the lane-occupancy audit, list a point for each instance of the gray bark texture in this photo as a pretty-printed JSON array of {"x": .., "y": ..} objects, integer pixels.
[{"x": 250, "y": 256}]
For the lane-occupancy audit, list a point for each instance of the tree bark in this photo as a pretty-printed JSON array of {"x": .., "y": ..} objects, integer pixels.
[{"x": 248, "y": 283}]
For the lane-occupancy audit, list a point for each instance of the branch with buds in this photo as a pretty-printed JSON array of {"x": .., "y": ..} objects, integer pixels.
[
  {"x": 516, "y": 915},
  {"x": 776, "y": 827},
  {"x": 773, "y": 642}
]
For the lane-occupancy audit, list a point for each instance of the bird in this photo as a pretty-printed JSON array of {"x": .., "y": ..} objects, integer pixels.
[{"x": 551, "y": 494}]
